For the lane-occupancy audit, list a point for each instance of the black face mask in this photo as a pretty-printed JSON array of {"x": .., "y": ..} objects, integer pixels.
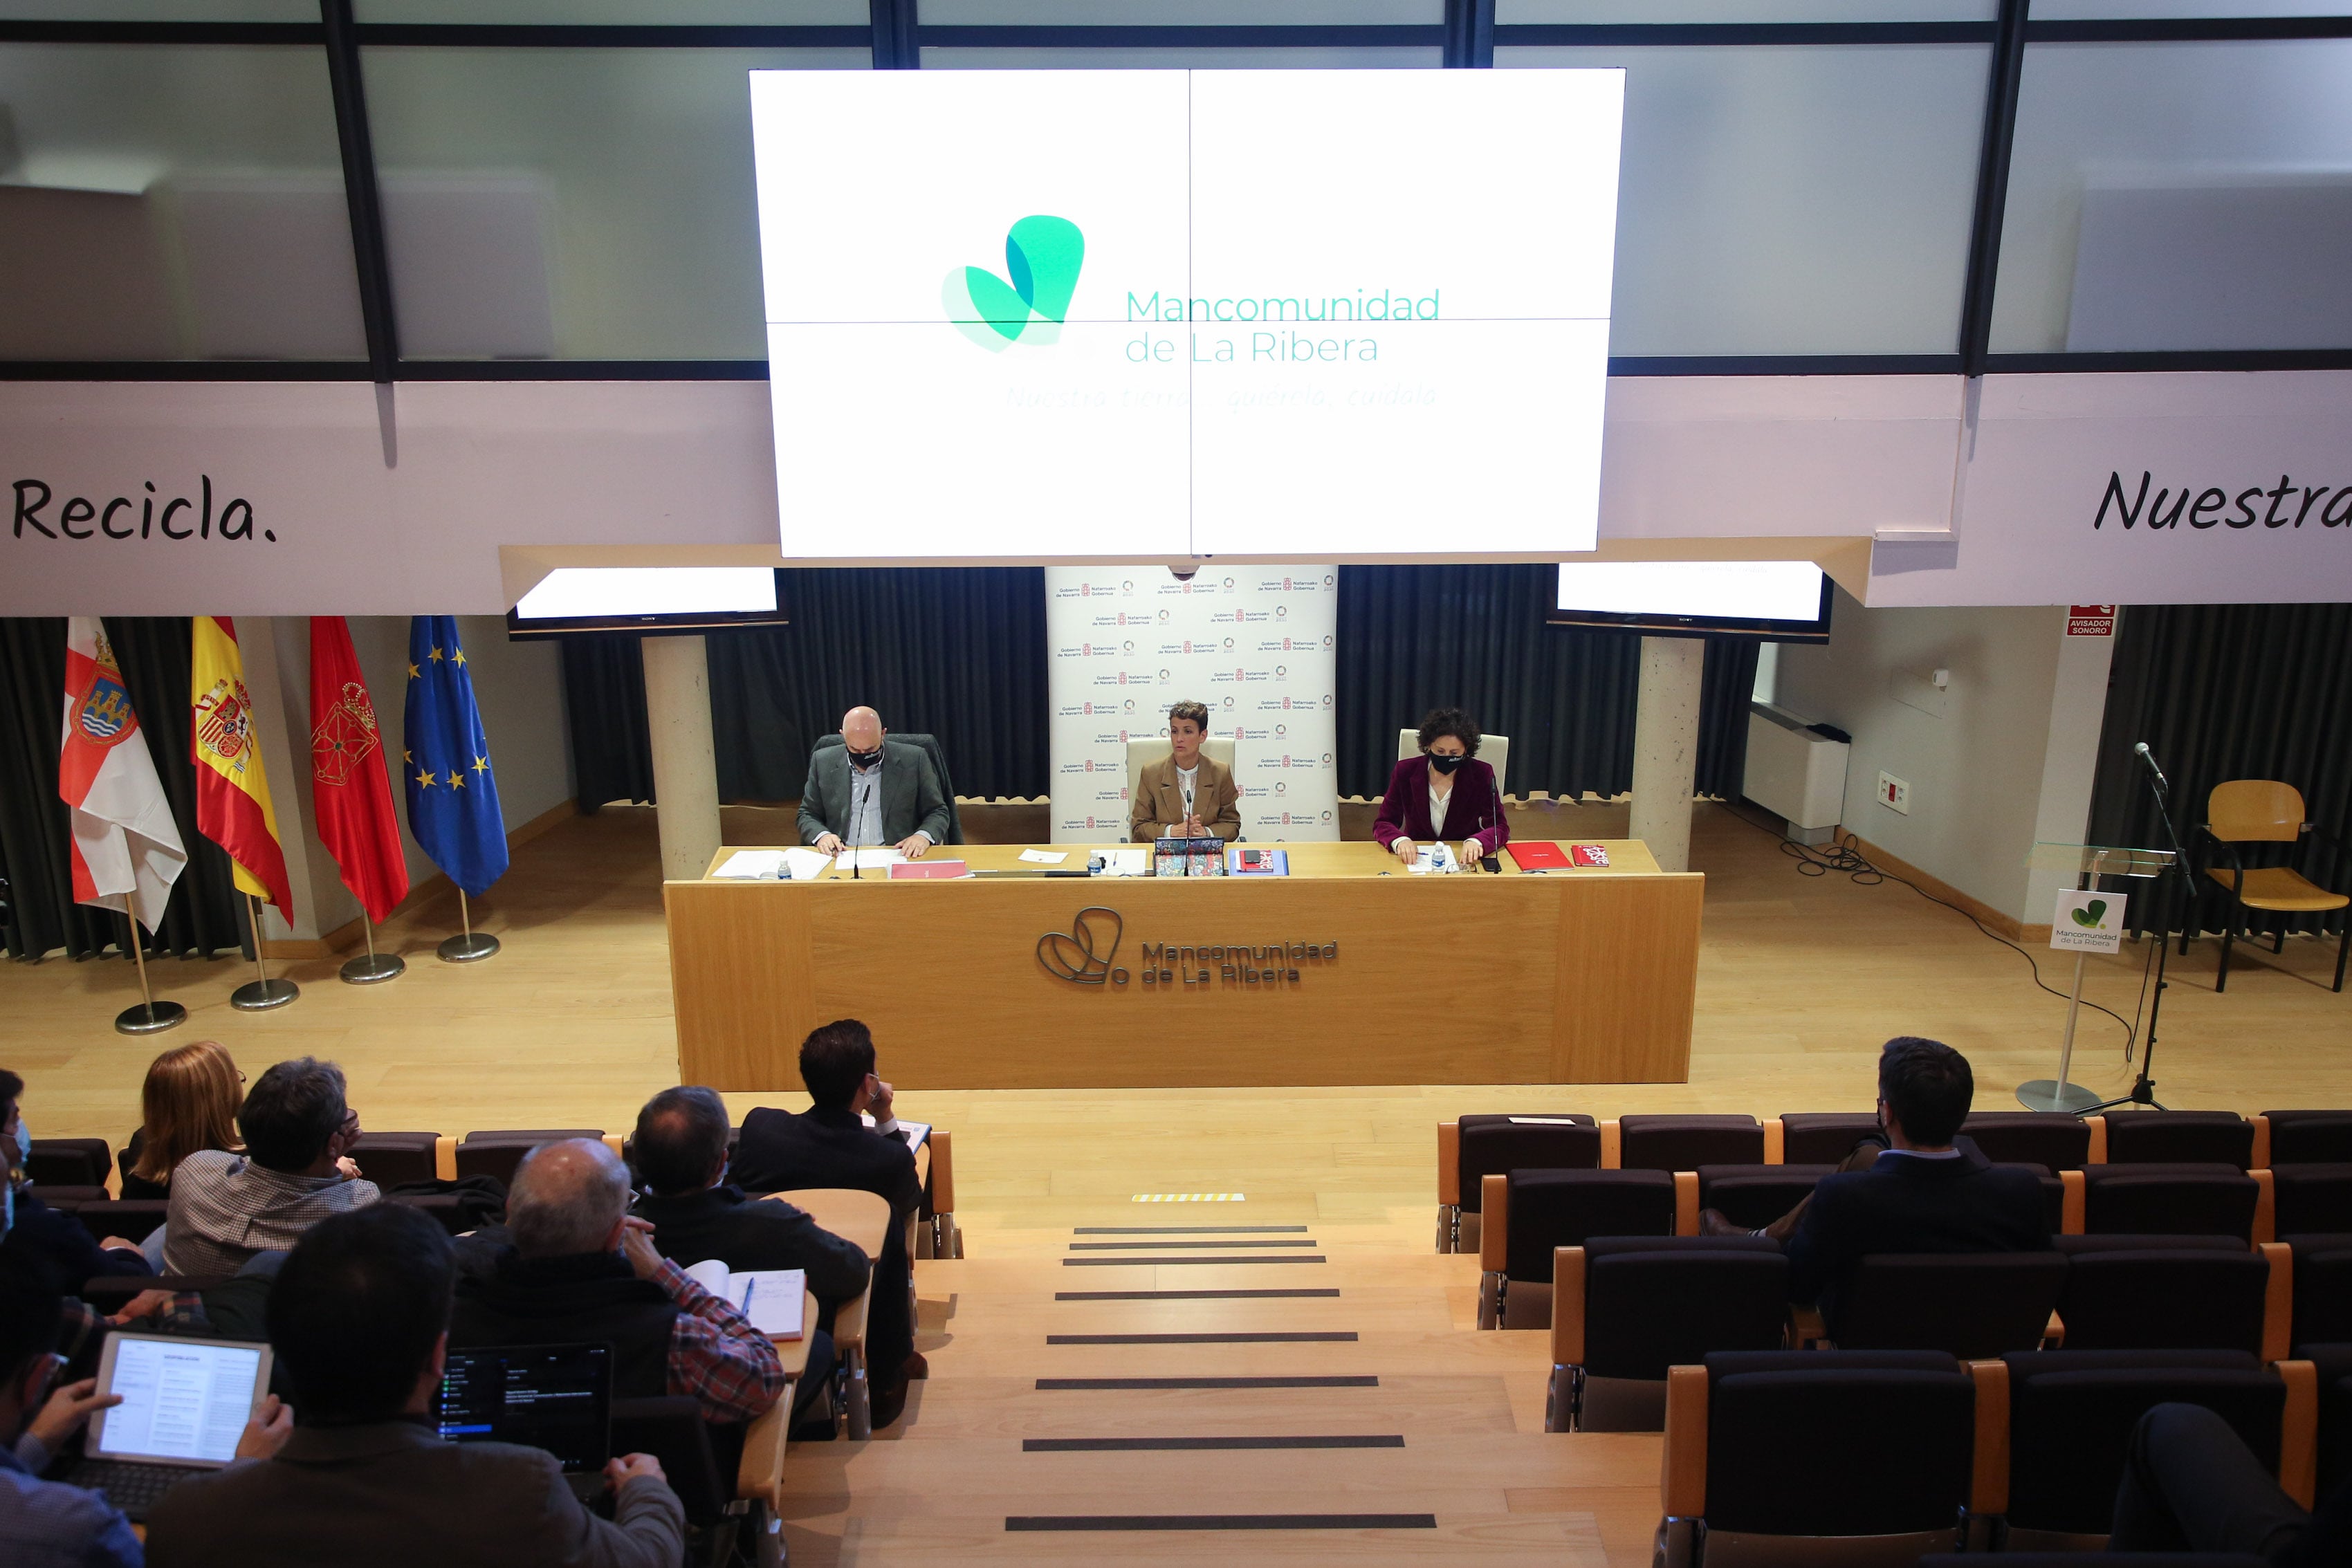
[
  {"x": 865, "y": 759},
  {"x": 1445, "y": 764}
]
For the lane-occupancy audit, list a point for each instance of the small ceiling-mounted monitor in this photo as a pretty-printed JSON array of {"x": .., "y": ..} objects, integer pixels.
[
  {"x": 1771, "y": 600},
  {"x": 676, "y": 599}
]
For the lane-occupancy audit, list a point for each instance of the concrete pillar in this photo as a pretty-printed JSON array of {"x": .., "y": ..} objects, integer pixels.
[
  {"x": 685, "y": 774},
  {"x": 1665, "y": 747}
]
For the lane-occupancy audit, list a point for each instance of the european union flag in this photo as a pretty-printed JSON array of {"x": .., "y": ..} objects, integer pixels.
[{"x": 453, "y": 791}]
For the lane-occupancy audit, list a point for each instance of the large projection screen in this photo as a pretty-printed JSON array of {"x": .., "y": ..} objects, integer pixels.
[{"x": 1164, "y": 315}]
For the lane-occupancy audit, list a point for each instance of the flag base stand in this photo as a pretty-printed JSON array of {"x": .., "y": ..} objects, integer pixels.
[
  {"x": 149, "y": 1017},
  {"x": 2048, "y": 1094},
  {"x": 469, "y": 947},
  {"x": 260, "y": 996},
  {"x": 369, "y": 968}
]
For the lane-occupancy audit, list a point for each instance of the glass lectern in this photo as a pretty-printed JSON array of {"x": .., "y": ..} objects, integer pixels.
[{"x": 2086, "y": 864}]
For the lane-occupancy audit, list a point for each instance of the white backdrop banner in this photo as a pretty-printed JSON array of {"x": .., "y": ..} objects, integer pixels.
[{"x": 1253, "y": 642}]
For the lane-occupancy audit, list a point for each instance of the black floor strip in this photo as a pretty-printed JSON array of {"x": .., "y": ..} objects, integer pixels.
[
  {"x": 1319, "y": 1291},
  {"x": 1189, "y": 1230},
  {"x": 1222, "y": 1521},
  {"x": 1173, "y": 1246},
  {"x": 1147, "y": 1262},
  {"x": 1336, "y": 1336},
  {"x": 1066, "y": 1384},
  {"x": 1182, "y": 1445}
]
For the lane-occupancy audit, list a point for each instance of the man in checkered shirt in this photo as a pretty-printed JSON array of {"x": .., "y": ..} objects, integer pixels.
[{"x": 295, "y": 1171}]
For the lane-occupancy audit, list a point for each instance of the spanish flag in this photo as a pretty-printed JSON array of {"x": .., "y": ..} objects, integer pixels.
[{"x": 232, "y": 795}]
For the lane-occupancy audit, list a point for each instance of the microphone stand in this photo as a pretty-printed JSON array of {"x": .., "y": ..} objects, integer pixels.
[{"x": 2143, "y": 1089}]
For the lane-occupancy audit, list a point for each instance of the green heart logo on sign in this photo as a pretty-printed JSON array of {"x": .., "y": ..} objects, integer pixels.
[
  {"x": 2092, "y": 914},
  {"x": 1043, "y": 255}
]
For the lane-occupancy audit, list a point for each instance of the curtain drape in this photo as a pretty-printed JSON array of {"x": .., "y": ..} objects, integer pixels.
[
  {"x": 2230, "y": 691},
  {"x": 35, "y": 840}
]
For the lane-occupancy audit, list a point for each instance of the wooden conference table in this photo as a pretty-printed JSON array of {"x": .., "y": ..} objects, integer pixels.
[{"x": 1346, "y": 971}]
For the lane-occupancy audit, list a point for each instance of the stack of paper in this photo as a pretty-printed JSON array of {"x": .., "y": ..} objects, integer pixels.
[
  {"x": 805, "y": 865},
  {"x": 752, "y": 865},
  {"x": 870, "y": 858},
  {"x": 1130, "y": 860},
  {"x": 1434, "y": 858}
]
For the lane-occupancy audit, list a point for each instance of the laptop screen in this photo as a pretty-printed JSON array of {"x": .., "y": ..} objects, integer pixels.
[
  {"x": 558, "y": 1398},
  {"x": 185, "y": 1401}
]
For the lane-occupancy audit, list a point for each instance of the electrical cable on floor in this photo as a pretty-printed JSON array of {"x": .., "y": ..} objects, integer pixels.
[{"x": 1844, "y": 854}]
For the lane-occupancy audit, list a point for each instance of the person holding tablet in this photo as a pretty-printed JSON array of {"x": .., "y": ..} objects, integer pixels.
[
  {"x": 1188, "y": 796},
  {"x": 1444, "y": 790}
]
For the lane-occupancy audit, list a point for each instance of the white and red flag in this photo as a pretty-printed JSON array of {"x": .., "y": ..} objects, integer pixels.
[{"x": 126, "y": 848}]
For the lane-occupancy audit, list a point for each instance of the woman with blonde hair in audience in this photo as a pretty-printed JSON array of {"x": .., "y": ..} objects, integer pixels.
[{"x": 190, "y": 1103}]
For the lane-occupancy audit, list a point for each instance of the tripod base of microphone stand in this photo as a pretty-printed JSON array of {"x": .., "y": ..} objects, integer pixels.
[
  {"x": 149, "y": 1017},
  {"x": 2048, "y": 1094},
  {"x": 2142, "y": 1094},
  {"x": 260, "y": 996},
  {"x": 467, "y": 949},
  {"x": 369, "y": 968}
]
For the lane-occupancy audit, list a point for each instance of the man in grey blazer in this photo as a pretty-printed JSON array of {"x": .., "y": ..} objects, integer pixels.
[
  {"x": 872, "y": 791},
  {"x": 358, "y": 1317}
]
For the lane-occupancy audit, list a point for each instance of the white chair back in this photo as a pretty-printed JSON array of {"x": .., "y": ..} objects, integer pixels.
[
  {"x": 1493, "y": 750},
  {"x": 1142, "y": 751}
]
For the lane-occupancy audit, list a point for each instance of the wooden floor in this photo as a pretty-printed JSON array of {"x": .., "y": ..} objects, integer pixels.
[{"x": 1800, "y": 980}]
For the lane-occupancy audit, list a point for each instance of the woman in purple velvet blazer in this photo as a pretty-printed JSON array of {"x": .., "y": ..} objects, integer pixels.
[{"x": 1444, "y": 793}]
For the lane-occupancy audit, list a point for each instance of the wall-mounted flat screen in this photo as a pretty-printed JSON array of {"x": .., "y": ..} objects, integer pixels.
[
  {"x": 1773, "y": 600},
  {"x": 652, "y": 599},
  {"x": 1157, "y": 314}
]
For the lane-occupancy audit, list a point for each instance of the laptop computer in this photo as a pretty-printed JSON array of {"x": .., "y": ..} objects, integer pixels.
[
  {"x": 184, "y": 1405},
  {"x": 558, "y": 1398}
]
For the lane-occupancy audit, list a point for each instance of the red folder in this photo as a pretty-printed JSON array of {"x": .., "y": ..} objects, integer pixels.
[
  {"x": 927, "y": 871},
  {"x": 1537, "y": 854}
]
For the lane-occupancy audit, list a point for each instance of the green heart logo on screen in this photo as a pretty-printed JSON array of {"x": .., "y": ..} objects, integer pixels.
[
  {"x": 1043, "y": 255},
  {"x": 2092, "y": 914}
]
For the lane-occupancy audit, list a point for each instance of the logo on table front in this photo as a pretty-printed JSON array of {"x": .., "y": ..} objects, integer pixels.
[
  {"x": 1043, "y": 256},
  {"x": 1071, "y": 954}
]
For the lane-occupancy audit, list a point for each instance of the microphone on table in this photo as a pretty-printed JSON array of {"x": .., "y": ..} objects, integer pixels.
[{"x": 2141, "y": 751}]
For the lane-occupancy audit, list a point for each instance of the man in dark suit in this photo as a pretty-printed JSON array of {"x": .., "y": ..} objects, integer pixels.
[
  {"x": 872, "y": 791},
  {"x": 680, "y": 1147},
  {"x": 827, "y": 1145},
  {"x": 1927, "y": 1191},
  {"x": 358, "y": 1317}
]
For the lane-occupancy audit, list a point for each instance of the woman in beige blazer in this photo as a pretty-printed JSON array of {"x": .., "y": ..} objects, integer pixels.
[{"x": 1188, "y": 795}]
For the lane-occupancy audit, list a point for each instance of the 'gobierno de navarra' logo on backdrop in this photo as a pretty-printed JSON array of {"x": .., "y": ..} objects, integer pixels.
[{"x": 1042, "y": 258}]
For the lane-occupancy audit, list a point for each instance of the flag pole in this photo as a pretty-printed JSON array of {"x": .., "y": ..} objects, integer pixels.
[
  {"x": 374, "y": 966},
  {"x": 261, "y": 993},
  {"x": 473, "y": 945},
  {"x": 151, "y": 1016}
]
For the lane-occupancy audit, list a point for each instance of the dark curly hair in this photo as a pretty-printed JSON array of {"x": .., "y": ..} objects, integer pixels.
[{"x": 1444, "y": 721}]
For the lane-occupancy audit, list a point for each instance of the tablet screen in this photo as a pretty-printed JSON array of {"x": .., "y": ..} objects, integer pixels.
[{"x": 184, "y": 1400}]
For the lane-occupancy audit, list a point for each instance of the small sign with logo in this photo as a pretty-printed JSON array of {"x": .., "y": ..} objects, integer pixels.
[
  {"x": 2090, "y": 620},
  {"x": 2087, "y": 922}
]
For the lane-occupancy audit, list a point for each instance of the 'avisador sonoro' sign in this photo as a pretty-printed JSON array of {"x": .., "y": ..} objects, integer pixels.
[
  {"x": 2284, "y": 505},
  {"x": 40, "y": 511}
]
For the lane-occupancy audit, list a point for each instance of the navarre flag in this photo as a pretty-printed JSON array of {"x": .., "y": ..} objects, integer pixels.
[
  {"x": 127, "y": 852},
  {"x": 232, "y": 794},
  {"x": 348, "y": 782},
  {"x": 453, "y": 791}
]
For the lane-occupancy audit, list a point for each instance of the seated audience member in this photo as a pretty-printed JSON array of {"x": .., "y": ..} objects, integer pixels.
[
  {"x": 827, "y": 1145},
  {"x": 1928, "y": 1191},
  {"x": 578, "y": 1268},
  {"x": 188, "y": 1103},
  {"x": 47, "y": 1524},
  {"x": 55, "y": 1244},
  {"x": 294, "y": 1173},
  {"x": 870, "y": 791},
  {"x": 2190, "y": 1484},
  {"x": 1444, "y": 791},
  {"x": 1185, "y": 795},
  {"x": 359, "y": 1319},
  {"x": 681, "y": 1153}
]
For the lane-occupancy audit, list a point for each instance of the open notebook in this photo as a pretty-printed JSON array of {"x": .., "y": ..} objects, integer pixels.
[{"x": 770, "y": 1297}]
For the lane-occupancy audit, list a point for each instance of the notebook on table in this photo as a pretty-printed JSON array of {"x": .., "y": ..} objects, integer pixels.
[
  {"x": 558, "y": 1398},
  {"x": 184, "y": 1405},
  {"x": 772, "y": 1298}
]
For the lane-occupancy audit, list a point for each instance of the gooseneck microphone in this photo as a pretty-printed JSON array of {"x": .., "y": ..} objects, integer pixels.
[{"x": 2141, "y": 751}]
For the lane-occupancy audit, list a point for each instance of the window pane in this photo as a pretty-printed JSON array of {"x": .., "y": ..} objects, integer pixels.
[
  {"x": 171, "y": 202},
  {"x": 160, "y": 10},
  {"x": 1182, "y": 59},
  {"x": 2113, "y": 10},
  {"x": 2180, "y": 196},
  {"x": 1589, "y": 11},
  {"x": 1181, "y": 13},
  {"x": 574, "y": 203},
  {"x": 1792, "y": 200},
  {"x": 582, "y": 13}
]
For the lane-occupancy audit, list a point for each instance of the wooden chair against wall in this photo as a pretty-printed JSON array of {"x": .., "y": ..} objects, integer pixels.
[{"x": 2263, "y": 811}]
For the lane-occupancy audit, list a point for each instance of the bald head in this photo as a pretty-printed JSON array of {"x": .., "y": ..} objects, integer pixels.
[
  {"x": 567, "y": 1197},
  {"x": 861, "y": 730}
]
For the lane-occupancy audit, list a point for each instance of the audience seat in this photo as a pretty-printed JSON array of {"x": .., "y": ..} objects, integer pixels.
[
  {"x": 1686, "y": 1142},
  {"x": 1817, "y": 1137},
  {"x": 2302, "y": 1138},
  {"x": 2180, "y": 1137},
  {"x": 1529, "y": 1214},
  {"x": 2332, "y": 1365},
  {"x": 2056, "y": 1140},
  {"x": 70, "y": 1162},
  {"x": 862, "y": 1217},
  {"x": 2071, "y": 1415},
  {"x": 497, "y": 1152},
  {"x": 1756, "y": 1196},
  {"x": 1470, "y": 1148},
  {"x": 2323, "y": 1289},
  {"x": 131, "y": 1219},
  {"x": 447, "y": 1209},
  {"x": 1763, "y": 1449},
  {"x": 937, "y": 1235},
  {"x": 1625, "y": 1309},
  {"x": 2097, "y": 1560},
  {"x": 2174, "y": 1292},
  {"x": 2312, "y": 1198},
  {"x": 390, "y": 1159},
  {"x": 1972, "y": 1305},
  {"x": 2209, "y": 1199}
]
